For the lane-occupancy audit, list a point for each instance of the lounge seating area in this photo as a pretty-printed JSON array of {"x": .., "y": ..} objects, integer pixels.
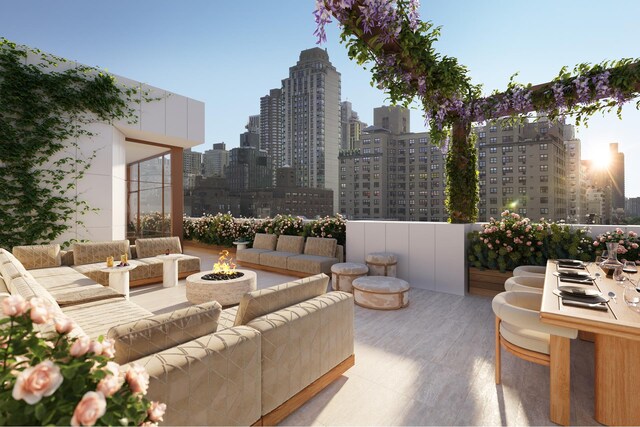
[{"x": 292, "y": 254}]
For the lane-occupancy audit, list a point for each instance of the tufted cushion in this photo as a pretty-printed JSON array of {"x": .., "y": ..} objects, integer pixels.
[
  {"x": 10, "y": 267},
  {"x": 3, "y": 287},
  {"x": 89, "y": 253},
  {"x": 293, "y": 244},
  {"x": 146, "y": 248},
  {"x": 263, "y": 301},
  {"x": 151, "y": 335},
  {"x": 38, "y": 256},
  {"x": 320, "y": 246},
  {"x": 265, "y": 241}
]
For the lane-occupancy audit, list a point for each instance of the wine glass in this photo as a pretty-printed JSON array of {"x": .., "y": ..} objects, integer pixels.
[
  {"x": 630, "y": 267},
  {"x": 632, "y": 297},
  {"x": 618, "y": 275}
]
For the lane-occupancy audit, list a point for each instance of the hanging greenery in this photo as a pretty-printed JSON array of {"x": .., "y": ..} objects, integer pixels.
[
  {"x": 43, "y": 113},
  {"x": 388, "y": 36}
]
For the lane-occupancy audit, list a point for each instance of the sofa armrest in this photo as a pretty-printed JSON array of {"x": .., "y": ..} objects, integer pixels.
[
  {"x": 66, "y": 257},
  {"x": 340, "y": 253},
  {"x": 212, "y": 380},
  {"x": 134, "y": 253},
  {"x": 301, "y": 343}
]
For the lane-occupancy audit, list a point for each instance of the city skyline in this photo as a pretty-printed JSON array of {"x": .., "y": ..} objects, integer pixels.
[{"x": 197, "y": 50}]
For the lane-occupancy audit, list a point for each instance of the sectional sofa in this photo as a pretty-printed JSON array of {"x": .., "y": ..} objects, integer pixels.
[
  {"x": 292, "y": 254},
  {"x": 251, "y": 364}
]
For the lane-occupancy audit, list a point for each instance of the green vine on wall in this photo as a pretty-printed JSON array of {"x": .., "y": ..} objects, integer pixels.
[{"x": 43, "y": 113}]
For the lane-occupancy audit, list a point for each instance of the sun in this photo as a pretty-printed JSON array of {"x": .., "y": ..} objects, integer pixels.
[{"x": 602, "y": 159}]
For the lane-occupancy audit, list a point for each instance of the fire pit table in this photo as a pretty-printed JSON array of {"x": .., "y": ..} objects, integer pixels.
[{"x": 226, "y": 292}]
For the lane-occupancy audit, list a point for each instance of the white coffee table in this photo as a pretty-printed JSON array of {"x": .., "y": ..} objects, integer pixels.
[
  {"x": 241, "y": 244},
  {"x": 170, "y": 269},
  {"x": 119, "y": 278}
]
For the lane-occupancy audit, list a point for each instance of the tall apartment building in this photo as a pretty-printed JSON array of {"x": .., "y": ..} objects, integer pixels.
[
  {"x": 249, "y": 167},
  {"x": 311, "y": 120},
  {"x": 576, "y": 190},
  {"x": 191, "y": 167},
  {"x": 351, "y": 126},
  {"x": 632, "y": 206},
  {"x": 616, "y": 174},
  {"x": 392, "y": 175},
  {"x": 271, "y": 128},
  {"x": 253, "y": 125},
  {"x": 215, "y": 160}
]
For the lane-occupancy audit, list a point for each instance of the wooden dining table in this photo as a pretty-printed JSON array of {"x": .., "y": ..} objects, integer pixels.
[{"x": 617, "y": 344}]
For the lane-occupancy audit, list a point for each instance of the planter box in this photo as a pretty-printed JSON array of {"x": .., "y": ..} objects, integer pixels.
[
  {"x": 487, "y": 282},
  {"x": 213, "y": 249}
]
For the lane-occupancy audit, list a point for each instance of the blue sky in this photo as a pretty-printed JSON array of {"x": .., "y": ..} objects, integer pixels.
[{"x": 230, "y": 53}]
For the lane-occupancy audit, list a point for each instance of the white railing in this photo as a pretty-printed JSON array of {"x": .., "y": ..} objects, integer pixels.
[{"x": 431, "y": 255}]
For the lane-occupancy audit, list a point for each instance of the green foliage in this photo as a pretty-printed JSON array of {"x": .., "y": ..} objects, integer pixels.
[
  {"x": 628, "y": 244},
  {"x": 223, "y": 229},
  {"x": 462, "y": 178},
  {"x": 510, "y": 241},
  {"x": 43, "y": 112},
  {"x": 25, "y": 347}
]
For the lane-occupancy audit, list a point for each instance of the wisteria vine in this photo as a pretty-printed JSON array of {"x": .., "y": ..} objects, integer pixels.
[{"x": 388, "y": 35}]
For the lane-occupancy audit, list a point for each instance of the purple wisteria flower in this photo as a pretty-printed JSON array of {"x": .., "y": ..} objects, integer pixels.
[
  {"x": 583, "y": 92},
  {"x": 601, "y": 82}
]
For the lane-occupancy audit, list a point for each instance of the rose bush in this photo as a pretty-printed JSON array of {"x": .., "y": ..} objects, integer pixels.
[
  {"x": 628, "y": 244},
  {"x": 510, "y": 241},
  {"x": 50, "y": 378}
]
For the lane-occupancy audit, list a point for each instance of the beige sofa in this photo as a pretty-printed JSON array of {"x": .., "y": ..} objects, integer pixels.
[
  {"x": 254, "y": 363},
  {"x": 88, "y": 259},
  {"x": 292, "y": 254}
]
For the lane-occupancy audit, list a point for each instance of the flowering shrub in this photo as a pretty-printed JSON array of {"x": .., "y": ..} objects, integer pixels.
[
  {"x": 62, "y": 380},
  {"x": 512, "y": 241},
  {"x": 288, "y": 225},
  {"x": 335, "y": 227},
  {"x": 628, "y": 247}
]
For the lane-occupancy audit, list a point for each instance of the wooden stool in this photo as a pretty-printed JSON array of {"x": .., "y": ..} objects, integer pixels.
[
  {"x": 381, "y": 292},
  {"x": 382, "y": 264},
  {"x": 344, "y": 273}
]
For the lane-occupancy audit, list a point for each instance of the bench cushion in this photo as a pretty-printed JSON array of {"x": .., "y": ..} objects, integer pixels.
[
  {"x": 312, "y": 264},
  {"x": 251, "y": 255},
  {"x": 265, "y": 241},
  {"x": 146, "y": 248},
  {"x": 263, "y": 301},
  {"x": 93, "y": 252},
  {"x": 320, "y": 246},
  {"x": 151, "y": 335},
  {"x": 38, "y": 256},
  {"x": 293, "y": 244}
]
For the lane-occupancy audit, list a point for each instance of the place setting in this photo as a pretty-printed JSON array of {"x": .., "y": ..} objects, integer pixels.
[
  {"x": 574, "y": 276},
  {"x": 578, "y": 296}
]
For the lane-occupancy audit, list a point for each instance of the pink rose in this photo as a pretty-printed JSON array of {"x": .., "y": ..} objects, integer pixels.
[
  {"x": 64, "y": 325},
  {"x": 633, "y": 234},
  {"x": 532, "y": 249},
  {"x": 539, "y": 243},
  {"x": 111, "y": 383},
  {"x": 91, "y": 407},
  {"x": 634, "y": 245},
  {"x": 138, "y": 378},
  {"x": 596, "y": 243},
  {"x": 156, "y": 411},
  {"x": 95, "y": 347},
  {"x": 14, "y": 305},
  {"x": 602, "y": 239},
  {"x": 39, "y": 311},
  {"x": 37, "y": 381},
  {"x": 108, "y": 347},
  {"x": 80, "y": 346},
  {"x": 621, "y": 242},
  {"x": 529, "y": 243}
]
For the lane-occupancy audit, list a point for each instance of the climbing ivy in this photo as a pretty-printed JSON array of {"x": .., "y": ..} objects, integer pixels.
[{"x": 45, "y": 106}]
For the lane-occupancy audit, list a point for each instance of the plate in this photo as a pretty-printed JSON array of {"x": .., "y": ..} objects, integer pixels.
[
  {"x": 578, "y": 290},
  {"x": 564, "y": 272},
  {"x": 575, "y": 262}
]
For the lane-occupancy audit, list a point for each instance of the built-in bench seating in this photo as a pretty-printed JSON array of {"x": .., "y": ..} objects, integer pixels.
[{"x": 292, "y": 254}]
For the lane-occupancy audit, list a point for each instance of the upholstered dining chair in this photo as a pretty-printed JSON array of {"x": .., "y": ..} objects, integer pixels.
[
  {"x": 530, "y": 270},
  {"x": 520, "y": 331},
  {"x": 524, "y": 283}
]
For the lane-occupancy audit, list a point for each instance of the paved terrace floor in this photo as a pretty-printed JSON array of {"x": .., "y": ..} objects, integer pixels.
[{"x": 431, "y": 363}]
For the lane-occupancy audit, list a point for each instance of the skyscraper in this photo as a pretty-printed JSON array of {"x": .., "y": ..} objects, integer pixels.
[
  {"x": 351, "y": 126},
  {"x": 311, "y": 117},
  {"x": 214, "y": 161},
  {"x": 616, "y": 174},
  {"x": 271, "y": 128}
]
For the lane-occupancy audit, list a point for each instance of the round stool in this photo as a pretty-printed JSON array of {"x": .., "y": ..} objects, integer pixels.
[
  {"x": 380, "y": 292},
  {"x": 382, "y": 264},
  {"x": 344, "y": 273}
]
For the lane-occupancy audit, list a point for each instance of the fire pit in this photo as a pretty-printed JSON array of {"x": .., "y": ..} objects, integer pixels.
[{"x": 225, "y": 284}]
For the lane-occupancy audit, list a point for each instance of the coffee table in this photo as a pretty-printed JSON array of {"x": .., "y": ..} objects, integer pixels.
[
  {"x": 226, "y": 292},
  {"x": 170, "y": 269}
]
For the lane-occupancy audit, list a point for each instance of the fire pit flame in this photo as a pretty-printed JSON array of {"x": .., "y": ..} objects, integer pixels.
[{"x": 224, "y": 269}]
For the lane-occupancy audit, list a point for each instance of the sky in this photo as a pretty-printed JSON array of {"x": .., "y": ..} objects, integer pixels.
[{"x": 230, "y": 53}]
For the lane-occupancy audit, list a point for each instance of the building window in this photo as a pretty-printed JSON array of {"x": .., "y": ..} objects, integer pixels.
[
  {"x": 522, "y": 148},
  {"x": 544, "y": 210},
  {"x": 493, "y": 160},
  {"x": 544, "y": 146},
  {"x": 544, "y": 157},
  {"x": 522, "y": 190},
  {"x": 493, "y": 190},
  {"x": 507, "y": 138},
  {"x": 493, "y": 170},
  {"x": 544, "y": 168},
  {"x": 493, "y": 150},
  {"x": 493, "y": 180},
  {"x": 493, "y": 128},
  {"x": 493, "y": 140}
]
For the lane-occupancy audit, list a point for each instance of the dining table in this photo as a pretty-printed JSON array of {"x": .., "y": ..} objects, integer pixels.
[{"x": 616, "y": 329}]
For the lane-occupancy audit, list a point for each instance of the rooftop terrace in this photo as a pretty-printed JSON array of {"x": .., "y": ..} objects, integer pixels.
[{"x": 431, "y": 363}]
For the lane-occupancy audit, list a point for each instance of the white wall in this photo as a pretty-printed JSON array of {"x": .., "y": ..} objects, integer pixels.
[
  {"x": 172, "y": 120},
  {"x": 431, "y": 255}
]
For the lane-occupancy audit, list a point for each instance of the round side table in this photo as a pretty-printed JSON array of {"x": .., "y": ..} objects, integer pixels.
[
  {"x": 119, "y": 278},
  {"x": 170, "y": 269},
  {"x": 241, "y": 245}
]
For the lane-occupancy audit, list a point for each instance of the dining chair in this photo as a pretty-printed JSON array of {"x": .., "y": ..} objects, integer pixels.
[
  {"x": 524, "y": 283},
  {"x": 530, "y": 270},
  {"x": 520, "y": 331}
]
